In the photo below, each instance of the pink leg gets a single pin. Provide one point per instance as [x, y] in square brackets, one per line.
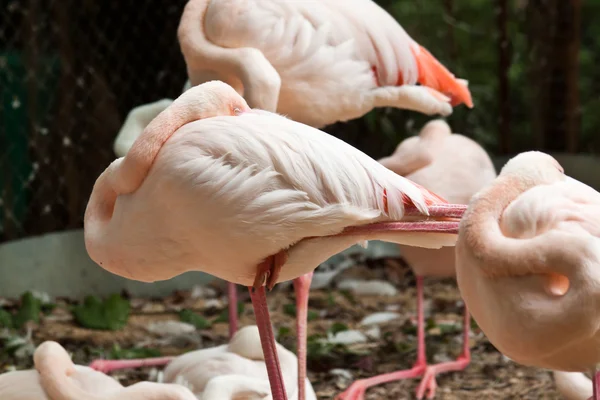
[596, 386]
[267, 340]
[428, 382]
[107, 366]
[302, 289]
[357, 390]
[233, 315]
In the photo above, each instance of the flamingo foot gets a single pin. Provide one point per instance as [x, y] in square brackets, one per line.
[357, 390]
[428, 383]
[106, 366]
[268, 270]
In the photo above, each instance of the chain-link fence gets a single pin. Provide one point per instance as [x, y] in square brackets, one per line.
[71, 70]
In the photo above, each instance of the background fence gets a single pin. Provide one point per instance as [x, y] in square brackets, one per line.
[71, 70]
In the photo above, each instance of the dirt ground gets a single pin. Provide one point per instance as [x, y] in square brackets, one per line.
[489, 376]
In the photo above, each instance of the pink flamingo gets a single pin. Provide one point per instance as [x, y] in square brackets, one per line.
[315, 61]
[57, 378]
[221, 371]
[528, 265]
[252, 198]
[430, 160]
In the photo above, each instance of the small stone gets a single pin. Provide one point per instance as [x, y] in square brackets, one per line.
[374, 333]
[213, 303]
[379, 318]
[170, 328]
[347, 337]
[153, 308]
[368, 288]
[202, 292]
[341, 373]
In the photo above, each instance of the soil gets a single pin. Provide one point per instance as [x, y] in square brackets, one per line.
[489, 375]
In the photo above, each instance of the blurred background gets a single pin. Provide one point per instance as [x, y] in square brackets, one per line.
[70, 71]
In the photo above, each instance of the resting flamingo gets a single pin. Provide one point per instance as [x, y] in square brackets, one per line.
[315, 61]
[215, 372]
[57, 378]
[136, 121]
[250, 197]
[528, 265]
[456, 168]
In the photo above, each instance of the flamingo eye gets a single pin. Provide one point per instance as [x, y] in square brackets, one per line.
[236, 111]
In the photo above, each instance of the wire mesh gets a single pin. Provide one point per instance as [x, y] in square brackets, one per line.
[70, 71]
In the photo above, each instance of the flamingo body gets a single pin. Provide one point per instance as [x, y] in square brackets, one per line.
[451, 165]
[213, 372]
[317, 62]
[246, 187]
[57, 378]
[528, 260]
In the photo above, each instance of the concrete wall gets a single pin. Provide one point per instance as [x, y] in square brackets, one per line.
[58, 263]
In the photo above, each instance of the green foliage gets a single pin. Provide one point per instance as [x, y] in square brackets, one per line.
[6, 319]
[110, 314]
[117, 353]
[192, 318]
[29, 311]
[224, 316]
[337, 327]
[290, 309]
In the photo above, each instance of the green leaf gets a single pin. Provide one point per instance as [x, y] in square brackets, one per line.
[192, 318]
[29, 310]
[290, 309]
[337, 327]
[117, 353]
[224, 316]
[6, 319]
[283, 332]
[348, 295]
[112, 314]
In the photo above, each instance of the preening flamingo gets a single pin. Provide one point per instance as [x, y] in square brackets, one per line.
[315, 61]
[250, 197]
[456, 168]
[136, 121]
[57, 378]
[222, 371]
[528, 265]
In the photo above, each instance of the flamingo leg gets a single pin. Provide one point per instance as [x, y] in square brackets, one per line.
[233, 314]
[302, 289]
[357, 390]
[107, 366]
[265, 273]
[428, 383]
[268, 270]
[596, 385]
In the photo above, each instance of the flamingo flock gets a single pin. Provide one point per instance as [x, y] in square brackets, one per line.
[234, 178]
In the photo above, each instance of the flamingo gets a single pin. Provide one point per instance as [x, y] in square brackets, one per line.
[315, 61]
[250, 197]
[211, 373]
[430, 159]
[137, 119]
[528, 265]
[57, 378]
[573, 385]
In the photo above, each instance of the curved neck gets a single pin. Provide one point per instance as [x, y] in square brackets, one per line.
[501, 256]
[55, 368]
[189, 107]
